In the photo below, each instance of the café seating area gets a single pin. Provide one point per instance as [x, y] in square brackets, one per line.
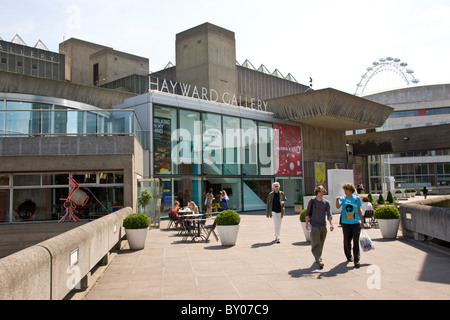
[192, 226]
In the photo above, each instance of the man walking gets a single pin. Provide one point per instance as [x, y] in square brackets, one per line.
[352, 222]
[317, 212]
[275, 208]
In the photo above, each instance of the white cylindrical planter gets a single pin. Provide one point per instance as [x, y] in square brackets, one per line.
[389, 227]
[306, 232]
[228, 234]
[136, 238]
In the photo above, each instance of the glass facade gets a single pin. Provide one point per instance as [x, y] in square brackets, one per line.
[196, 151]
[39, 197]
[19, 118]
[416, 175]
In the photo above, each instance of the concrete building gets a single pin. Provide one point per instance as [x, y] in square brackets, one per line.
[16, 56]
[416, 107]
[175, 139]
[93, 64]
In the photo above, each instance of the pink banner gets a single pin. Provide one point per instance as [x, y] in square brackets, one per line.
[288, 150]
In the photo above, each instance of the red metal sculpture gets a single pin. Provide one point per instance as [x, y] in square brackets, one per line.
[75, 197]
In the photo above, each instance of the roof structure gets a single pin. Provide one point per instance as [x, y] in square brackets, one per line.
[330, 108]
[18, 40]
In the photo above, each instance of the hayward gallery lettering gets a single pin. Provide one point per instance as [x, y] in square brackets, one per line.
[211, 95]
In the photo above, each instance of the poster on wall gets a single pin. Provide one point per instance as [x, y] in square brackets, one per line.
[320, 173]
[357, 174]
[162, 144]
[288, 150]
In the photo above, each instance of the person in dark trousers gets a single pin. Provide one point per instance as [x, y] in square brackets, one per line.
[352, 222]
[425, 192]
[275, 208]
[317, 212]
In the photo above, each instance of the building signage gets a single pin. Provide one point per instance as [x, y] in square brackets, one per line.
[21, 50]
[188, 90]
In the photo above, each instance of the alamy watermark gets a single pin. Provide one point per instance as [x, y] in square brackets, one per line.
[374, 281]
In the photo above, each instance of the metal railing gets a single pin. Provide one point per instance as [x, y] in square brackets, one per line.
[56, 122]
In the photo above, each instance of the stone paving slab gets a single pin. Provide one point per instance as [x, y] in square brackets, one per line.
[257, 268]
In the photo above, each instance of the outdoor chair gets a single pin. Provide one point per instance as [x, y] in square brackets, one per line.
[190, 230]
[210, 229]
[172, 219]
[369, 215]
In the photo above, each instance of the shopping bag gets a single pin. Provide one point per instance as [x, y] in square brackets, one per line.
[365, 241]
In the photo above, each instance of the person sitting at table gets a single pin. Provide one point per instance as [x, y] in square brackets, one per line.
[193, 207]
[174, 212]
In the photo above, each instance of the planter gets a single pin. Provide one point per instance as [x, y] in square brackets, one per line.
[298, 208]
[136, 238]
[306, 232]
[228, 234]
[389, 227]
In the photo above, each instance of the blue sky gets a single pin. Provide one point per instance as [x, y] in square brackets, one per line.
[331, 41]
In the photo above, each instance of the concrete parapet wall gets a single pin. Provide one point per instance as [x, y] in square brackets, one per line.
[429, 218]
[50, 269]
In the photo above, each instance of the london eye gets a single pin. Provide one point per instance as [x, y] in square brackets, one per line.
[386, 64]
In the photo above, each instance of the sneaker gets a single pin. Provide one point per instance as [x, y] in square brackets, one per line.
[320, 265]
[357, 265]
[350, 259]
[278, 240]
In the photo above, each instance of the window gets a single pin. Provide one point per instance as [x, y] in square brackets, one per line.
[164, 123]
[189, 142]
[212, 144]
[231, 146]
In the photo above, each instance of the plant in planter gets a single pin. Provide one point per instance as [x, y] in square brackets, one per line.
[136, 227]
[388, 218]
[380, 199]
[298, 205]
[227, 223]
[390, 197]
[370, 196]
[145, 198]
[303, 223]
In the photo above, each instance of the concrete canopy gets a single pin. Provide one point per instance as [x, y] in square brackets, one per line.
[330, 108]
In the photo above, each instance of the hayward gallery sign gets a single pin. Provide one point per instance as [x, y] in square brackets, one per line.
[191, 91]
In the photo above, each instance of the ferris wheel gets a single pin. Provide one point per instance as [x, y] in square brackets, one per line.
[386, 64]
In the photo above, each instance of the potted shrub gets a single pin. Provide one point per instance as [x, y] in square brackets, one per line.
[227, 223]
[136, 227]
[370, 198]
[145, 198]
[388, 218]
[390, 197]
[398, 193]
[380, 199]
[303, 223]
[298, 205]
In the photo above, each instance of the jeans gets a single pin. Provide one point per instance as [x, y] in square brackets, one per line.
[351, 232]
[277, 223]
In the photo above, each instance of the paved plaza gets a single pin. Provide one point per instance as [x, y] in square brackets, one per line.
[257, 268]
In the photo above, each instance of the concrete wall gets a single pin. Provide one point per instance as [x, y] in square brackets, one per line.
[100, 97]
[322, 145]
[206, 57]
[19, 236]
[52, 268]
[429, 218]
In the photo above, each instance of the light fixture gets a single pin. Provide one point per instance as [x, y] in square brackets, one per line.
[406, 138]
